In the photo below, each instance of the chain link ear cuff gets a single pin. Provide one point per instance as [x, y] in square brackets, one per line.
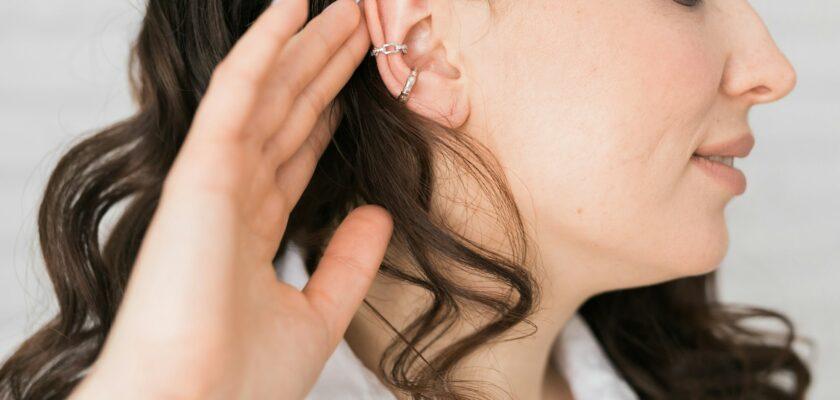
[390, 48]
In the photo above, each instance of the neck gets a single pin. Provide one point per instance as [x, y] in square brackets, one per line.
[522, 368]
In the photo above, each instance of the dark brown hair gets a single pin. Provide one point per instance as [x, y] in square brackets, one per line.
[670, 341]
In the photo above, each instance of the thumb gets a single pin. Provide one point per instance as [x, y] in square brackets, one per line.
[348, 267]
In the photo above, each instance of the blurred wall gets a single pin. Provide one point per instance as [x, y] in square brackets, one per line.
[62, 74]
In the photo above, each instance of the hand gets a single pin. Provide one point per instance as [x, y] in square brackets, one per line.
[203, 315]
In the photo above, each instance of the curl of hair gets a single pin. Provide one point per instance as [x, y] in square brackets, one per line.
[672, 340]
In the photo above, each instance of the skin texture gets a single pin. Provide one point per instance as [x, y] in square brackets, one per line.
[595, 134]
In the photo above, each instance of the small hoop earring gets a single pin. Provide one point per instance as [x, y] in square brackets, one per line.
[409, 83]
[385, 49]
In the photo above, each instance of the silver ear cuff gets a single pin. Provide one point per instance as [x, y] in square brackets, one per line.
[393, 48]
[409, 83]
[390, 48]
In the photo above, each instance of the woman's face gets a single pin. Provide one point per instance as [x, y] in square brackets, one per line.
[594, 109]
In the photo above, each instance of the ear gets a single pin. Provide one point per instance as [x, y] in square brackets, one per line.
[439, 92]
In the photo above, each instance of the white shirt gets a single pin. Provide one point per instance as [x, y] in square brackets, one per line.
[576, 353]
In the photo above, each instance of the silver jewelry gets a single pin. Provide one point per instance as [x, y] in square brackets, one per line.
[409, 83]
[384, 49]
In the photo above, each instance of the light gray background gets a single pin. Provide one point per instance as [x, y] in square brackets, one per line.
[62, 73]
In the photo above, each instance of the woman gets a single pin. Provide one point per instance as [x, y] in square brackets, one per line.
[514, 169]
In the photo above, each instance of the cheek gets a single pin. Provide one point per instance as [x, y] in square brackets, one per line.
[597, 136]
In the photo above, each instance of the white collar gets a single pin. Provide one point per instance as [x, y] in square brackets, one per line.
[576, 353]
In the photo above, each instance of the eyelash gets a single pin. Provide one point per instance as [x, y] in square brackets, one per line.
[689, 3]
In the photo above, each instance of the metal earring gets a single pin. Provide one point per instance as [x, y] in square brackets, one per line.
[390, 48]
[409, 83]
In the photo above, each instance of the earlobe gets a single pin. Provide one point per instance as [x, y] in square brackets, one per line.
[402, 32]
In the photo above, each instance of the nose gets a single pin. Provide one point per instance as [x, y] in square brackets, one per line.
[756, 69]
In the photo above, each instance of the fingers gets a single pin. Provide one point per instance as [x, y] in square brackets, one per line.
[314, 118]
[348, 266]
[294, 175]
[314, 99]
[282, 188]
[303, 59]
[232, 92]
[254, 87]
[252, 56]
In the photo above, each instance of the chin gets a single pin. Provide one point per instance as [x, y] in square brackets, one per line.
[702, 255]
[679, 260]
[697, 252]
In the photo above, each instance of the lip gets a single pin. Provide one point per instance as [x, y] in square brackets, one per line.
[740, 147]
[731, 178]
